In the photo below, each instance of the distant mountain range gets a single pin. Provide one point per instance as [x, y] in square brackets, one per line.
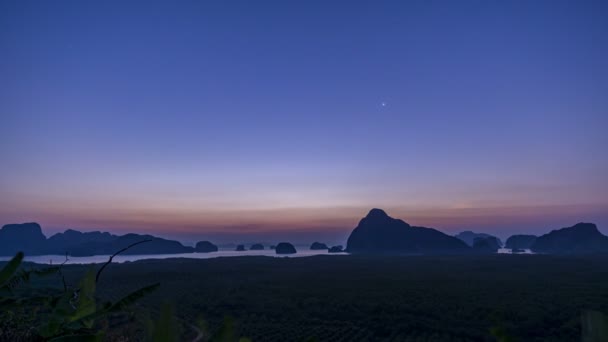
[376, 233]
[28, 238]
[578, 239]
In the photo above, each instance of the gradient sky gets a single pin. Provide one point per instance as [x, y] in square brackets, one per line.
[291, 119]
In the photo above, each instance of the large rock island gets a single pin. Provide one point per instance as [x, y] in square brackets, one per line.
[582, 238]
[154, 245]
[335, 249]
[71, 240]
[28, 238]
[318, 246]
[285, 248]
[378, 233]
[25, 237]
[205, 247]
[256, 247]
[489, 244]
[469, 237]
[520, 241]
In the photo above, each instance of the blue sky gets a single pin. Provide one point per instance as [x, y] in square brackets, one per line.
[267, 118]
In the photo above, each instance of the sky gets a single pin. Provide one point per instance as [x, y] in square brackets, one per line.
[292, 119]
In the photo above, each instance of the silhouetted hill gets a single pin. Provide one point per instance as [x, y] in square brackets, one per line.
[257, 247]
[155, 246]
[240, 248]
[205, 247]
[69, 240]
[579, 239]
[318, 246]
[469, 237]
[489, 244]
[336, 249]
[28, 237]
[285, 248]
[379, 233]
[25, 237]
[520, 241]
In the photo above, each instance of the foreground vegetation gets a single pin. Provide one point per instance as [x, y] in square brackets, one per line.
[351, 298]
[76, 313]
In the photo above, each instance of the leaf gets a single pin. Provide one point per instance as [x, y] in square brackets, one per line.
[594, 326]
[131, 298]
[77, 309]
[165, 329]
[226, 332]
[19, 277]
[62, 310]
[11, 267]
[86, 304]
[52, 327]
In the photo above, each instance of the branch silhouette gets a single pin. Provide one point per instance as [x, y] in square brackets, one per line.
[115, 254]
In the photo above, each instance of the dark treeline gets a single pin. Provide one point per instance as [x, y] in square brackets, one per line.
[374, 298]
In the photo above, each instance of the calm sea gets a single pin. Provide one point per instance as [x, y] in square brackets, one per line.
[58, 259]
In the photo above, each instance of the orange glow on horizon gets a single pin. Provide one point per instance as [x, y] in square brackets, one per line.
[294, 219]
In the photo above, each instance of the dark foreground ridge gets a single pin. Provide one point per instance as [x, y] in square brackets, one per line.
[372, 298]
